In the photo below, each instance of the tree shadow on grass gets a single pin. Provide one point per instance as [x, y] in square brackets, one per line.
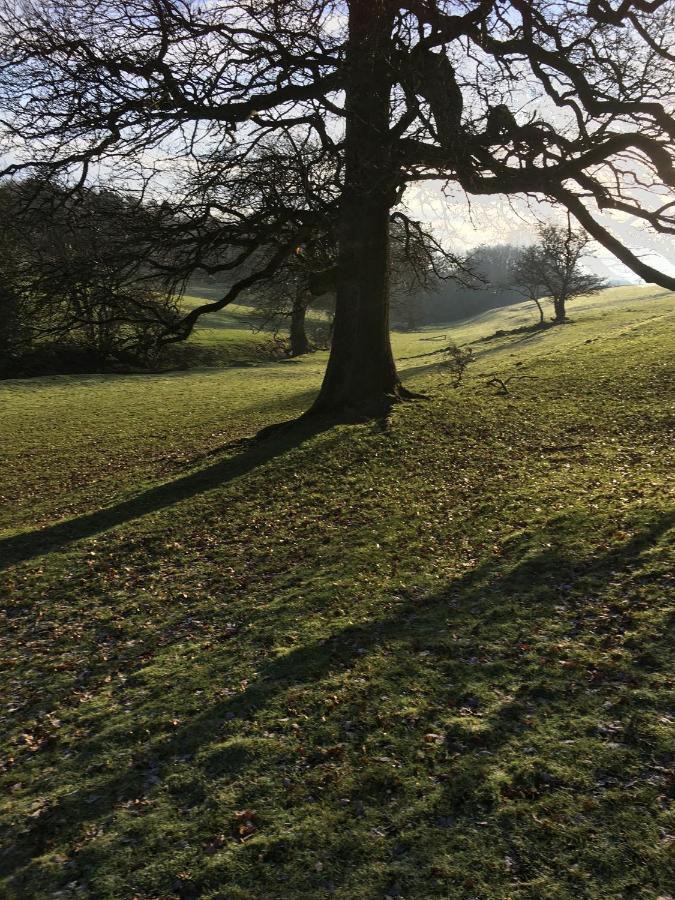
[499, 591]
[270, 443]
[527, 330]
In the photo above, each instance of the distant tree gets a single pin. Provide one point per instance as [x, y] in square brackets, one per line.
[307, 278]
[303, 279]
[526, 277]
[492, 265]
[553, 268]
[268, 233]
[419, 264]
[485, 284]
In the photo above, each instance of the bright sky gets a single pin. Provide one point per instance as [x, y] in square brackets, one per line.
[466, 222]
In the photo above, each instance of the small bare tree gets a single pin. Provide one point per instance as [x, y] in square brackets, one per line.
[456, 360]
[552, 268]
[526, 278]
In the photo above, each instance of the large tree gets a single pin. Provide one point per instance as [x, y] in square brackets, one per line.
[569, 101]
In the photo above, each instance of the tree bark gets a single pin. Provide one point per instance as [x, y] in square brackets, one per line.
[559, 308]
[541, 310]
[298, 334]
[361, 375]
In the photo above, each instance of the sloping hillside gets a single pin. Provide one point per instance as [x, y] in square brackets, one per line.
[427, 658]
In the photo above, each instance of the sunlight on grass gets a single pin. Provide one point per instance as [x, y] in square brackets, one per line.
[430, 660]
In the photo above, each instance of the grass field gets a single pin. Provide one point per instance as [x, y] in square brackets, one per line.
[222, 339]
[428, 658]
[237, 335]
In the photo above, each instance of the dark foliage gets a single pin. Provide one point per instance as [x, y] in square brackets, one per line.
[74, 287]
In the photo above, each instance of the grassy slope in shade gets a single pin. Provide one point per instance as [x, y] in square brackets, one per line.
[227, 337]
[429, 661]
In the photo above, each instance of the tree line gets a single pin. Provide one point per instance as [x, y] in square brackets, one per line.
[82, 287]
[88, 278]
[76, 291]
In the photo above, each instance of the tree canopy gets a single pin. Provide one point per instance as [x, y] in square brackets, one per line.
[568, 101]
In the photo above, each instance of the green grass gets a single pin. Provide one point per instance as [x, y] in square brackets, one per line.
[235, 335]
[428, 660]
[224, 338]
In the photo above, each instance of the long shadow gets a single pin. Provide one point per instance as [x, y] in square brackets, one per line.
[425, 368]
[324, 657]
[270, 443]
[528, 330]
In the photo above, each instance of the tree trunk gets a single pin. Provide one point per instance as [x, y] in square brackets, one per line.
[361, 376]
[541, 310]
[412, 312]
[559, 308]
[298, 335]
